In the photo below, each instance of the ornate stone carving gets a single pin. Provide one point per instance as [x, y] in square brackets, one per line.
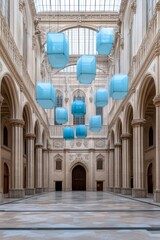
[134, 6]
[36, 25]
[78, 144]
[100, 143]
[58, 144]
[21, 5]
[58, 156]
[78, 157]
[85, 143]
[33, 42]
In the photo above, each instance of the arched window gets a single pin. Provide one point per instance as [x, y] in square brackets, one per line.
[79, 95]
[5, 136]
[99, 111]
[99, 164]
[58, 164]
[150, 136]
[59, 103]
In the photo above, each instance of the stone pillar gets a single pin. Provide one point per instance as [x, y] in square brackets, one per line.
[126, 164]
[17, 190]
[118, 168]
[1, 187]
[111, 170]
[107, 170]
[138, 159]
[30, 190]
[39, 187]
[157, 132]
[51, 169]
[45, 170]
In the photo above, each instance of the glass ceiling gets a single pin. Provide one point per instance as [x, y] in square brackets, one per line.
[77, 5]
[82, 41]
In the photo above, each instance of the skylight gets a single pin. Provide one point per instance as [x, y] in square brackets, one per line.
[77, 5]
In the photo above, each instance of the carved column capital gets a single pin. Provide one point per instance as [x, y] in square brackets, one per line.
[39, 145]
[17, 122]
[156, 101]
[138, 122]
[118, 144]
[30, 136]
[21, 5]
[125, 136]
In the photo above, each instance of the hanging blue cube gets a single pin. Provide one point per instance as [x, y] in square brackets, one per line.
[101, 97]
[45, 95]
[61, 115]
[86, 69]
[81, 131]
[95, 123]
[118, 88]
[78, 108]
[68, 133]
[57, 49]
[104, 41]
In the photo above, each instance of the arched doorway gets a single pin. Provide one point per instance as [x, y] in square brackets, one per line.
[150, 179]
[79, 179]
[6, 179]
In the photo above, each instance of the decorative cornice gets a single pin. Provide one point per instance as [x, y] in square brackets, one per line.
[156, 101]
[138, 122]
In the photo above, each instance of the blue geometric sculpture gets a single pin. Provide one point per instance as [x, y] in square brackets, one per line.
[57, 49]
[95, 123]
[81, 131]
[45, 95]
[118, 86]
[78, 108]
[68, 133]
[104, 41]
[86, 69]
[101, 97]
[61, 115]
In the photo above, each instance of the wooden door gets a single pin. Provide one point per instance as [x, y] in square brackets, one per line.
[150, 179]
[79, 179]
[6, 179]
[99, 186]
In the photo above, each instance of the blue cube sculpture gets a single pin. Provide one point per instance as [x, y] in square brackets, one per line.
[118, 88]
[68, 133]
[86, 69]
[104, 41]
[81, 131]
[45, 95]
[57, 49]
[95, 123]
[101, 97]
[61, 115]
[78, 108]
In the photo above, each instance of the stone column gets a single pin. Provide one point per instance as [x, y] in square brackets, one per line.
[138, 159]
[17, 190]
[1, 187]
[51, 169]
[39, 187]
[126, 164]
[157, 190]
[118, 168]
[111, 169]
[107, 170]
[45, 170]
[30, 190]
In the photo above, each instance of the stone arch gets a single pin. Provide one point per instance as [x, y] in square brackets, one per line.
[76, 163]
[79, 26]
[147, 87]
[37, 130]
[9, 93]
[79, 92]
[127, 116]
[27, 115]
[118, 131]
[112, 139]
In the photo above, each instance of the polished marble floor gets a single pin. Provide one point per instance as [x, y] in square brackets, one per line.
[80, 216]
